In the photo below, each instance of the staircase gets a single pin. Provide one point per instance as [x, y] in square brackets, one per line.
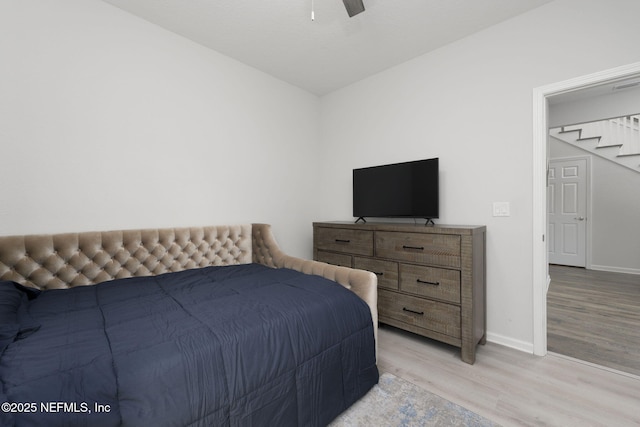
[617, 140]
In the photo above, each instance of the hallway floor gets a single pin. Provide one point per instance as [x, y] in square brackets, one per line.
[595, 316]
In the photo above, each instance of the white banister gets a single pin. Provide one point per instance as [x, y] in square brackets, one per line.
[616, 139]
[624, 131]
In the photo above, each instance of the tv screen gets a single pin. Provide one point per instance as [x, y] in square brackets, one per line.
[408, 189]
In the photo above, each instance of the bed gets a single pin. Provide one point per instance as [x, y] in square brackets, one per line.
[198, 326]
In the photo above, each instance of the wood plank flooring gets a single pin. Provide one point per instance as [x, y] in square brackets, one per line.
[595, 316]
[513, 388]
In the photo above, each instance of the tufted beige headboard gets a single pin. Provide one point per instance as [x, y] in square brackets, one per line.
[58, 261]
[74, 259]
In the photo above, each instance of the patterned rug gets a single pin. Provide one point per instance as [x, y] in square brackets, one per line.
[396, 402]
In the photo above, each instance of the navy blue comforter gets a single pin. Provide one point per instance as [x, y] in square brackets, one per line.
[233, 345]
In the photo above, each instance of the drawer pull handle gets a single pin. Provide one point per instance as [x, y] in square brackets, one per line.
[426, 282]
[417, 248]
[420, 313]
[378, 273]
[343, 241]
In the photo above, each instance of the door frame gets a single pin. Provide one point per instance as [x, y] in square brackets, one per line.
[540, 268]
[587, 202]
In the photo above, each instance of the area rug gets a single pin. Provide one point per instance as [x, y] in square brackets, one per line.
[397, 402]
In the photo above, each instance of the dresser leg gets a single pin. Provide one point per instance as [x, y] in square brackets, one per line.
[468, 355]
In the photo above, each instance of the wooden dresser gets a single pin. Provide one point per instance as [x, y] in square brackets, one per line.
[431, 279]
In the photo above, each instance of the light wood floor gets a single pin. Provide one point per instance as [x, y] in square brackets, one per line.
[513, 388]
[595, 316]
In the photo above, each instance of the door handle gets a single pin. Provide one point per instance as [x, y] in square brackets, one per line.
[580, 218]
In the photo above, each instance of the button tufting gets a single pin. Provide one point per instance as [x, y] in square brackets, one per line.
[177, 249]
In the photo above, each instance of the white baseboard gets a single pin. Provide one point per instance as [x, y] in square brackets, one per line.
[527, 347]
[615, 269]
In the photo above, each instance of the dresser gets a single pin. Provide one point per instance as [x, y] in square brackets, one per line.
[431, 279]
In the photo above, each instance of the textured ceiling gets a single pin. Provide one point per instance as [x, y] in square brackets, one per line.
[333, 51]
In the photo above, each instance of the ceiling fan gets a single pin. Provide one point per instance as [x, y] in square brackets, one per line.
[353, 7]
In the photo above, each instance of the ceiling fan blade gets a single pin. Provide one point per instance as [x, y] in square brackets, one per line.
[354, 7]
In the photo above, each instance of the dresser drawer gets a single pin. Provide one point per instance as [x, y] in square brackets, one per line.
[334, 258]
[430, 282]
[359, 242]
[387, 271]
[434, 249]
[434, 316]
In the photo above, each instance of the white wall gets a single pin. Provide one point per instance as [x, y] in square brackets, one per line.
[615, 207]
[108, 122]
[470, 104]
[607, 106]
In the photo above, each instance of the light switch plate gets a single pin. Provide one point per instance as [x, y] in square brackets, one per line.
[501, 209]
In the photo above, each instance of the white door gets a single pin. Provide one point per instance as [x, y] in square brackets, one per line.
[567, 210]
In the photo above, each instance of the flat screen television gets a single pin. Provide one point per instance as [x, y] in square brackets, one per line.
[399, 190]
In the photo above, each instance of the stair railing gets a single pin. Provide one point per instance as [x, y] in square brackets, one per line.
[623, 131]
[627, 130]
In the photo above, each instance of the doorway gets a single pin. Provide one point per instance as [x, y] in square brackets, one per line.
[592, 312]
[540, 167]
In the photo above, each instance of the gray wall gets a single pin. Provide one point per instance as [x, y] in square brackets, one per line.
[109, 122]
[606, 106]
